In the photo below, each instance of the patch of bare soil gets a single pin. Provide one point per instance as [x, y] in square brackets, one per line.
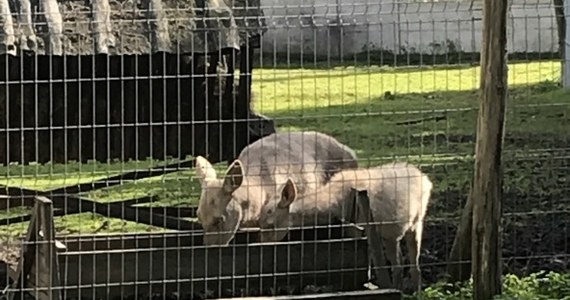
[535, 237]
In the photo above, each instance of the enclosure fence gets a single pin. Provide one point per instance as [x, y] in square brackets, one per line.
[118, 118]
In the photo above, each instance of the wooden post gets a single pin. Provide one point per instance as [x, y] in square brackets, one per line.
[28, 38]
[102, 34]
[7, 39]
[38, 266]
[158, 26]
[487, 184]
[375, 245]
[52, 17]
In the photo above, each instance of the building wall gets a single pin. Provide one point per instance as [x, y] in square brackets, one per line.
[311, 26]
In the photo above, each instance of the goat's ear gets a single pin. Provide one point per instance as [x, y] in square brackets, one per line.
[234, 177]
[204, 169]
[288, 194]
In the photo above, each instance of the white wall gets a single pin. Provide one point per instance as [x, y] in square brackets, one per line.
[422, 27]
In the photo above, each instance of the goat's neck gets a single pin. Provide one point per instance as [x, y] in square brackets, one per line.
[328, 200]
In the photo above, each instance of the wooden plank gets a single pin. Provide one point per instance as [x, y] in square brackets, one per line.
[177, 212]
[191, 238]
[109, 274]
[54, 24]
[383, 294]
[102, 34]
[7, 202]
[28, 39]
[26, 218]
[7, 39]
[102, 183]
[158, 26]
[375, 246]
[140, 200]
[134, 214]
[74, 204]
[119, 179]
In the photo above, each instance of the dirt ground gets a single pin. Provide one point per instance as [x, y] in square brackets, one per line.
[533, 239]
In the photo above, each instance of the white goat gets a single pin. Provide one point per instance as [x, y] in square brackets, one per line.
[399, 194]
[309, 158]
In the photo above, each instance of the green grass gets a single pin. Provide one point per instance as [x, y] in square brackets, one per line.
[359, 106]
[536, 286]
[305, 91]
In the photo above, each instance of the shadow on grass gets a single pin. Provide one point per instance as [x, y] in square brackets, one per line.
[387, 58]
[441, 123]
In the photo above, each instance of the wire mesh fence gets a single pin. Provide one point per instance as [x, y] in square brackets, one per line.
[145, 128]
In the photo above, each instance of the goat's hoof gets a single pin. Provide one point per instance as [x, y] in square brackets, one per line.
[410, 287]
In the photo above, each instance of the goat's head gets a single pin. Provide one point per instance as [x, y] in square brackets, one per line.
[274, 219]
[214, 210]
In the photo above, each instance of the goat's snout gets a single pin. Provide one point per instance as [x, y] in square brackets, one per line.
[220, 219]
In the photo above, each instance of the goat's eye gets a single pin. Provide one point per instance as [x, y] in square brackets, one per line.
[269, 211]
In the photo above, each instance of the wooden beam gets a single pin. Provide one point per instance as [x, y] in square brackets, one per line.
[102, 33]
[7, 39]
[487, 188]
[54, 24]
[37, 254]
[44, 274]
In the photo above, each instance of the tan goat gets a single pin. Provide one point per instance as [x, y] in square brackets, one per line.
[399, 194]
[235, 199]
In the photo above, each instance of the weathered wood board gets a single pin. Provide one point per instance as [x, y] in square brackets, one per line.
[179, 269]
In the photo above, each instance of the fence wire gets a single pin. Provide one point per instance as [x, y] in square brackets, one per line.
[159, 136]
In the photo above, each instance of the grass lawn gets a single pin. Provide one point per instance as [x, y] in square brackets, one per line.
[362, 107]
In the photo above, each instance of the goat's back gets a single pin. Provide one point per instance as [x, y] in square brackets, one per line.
[310, 158]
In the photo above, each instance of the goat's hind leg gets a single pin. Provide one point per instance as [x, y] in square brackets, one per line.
[414, 242]
[394, 255]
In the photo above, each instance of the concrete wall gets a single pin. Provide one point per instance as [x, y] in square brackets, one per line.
[311, 26]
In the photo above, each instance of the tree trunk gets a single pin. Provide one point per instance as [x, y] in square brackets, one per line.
[486, 192]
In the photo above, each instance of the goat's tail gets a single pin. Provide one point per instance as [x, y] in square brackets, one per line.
[427, 187]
